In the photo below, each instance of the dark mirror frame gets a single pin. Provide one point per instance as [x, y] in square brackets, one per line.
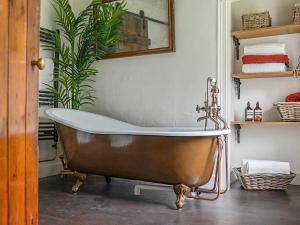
[171, 46]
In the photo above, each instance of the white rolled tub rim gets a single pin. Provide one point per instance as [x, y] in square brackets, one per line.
[98, 124]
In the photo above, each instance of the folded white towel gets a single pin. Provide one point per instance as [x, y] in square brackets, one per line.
[265, 49]
[264, 68]
[265, 166]
[297, 4]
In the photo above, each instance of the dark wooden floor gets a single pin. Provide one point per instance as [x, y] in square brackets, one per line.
[114, 204]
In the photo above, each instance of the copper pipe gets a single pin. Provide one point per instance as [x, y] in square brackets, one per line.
[226, 164]
[214, 190]
[217, 179]
[217, 183]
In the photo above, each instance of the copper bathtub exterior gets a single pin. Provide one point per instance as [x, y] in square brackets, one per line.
[160, 159]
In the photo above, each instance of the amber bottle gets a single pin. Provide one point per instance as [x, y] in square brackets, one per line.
[249, 113]
[257, 113]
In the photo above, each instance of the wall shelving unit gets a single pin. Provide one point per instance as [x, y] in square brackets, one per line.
[237, 77]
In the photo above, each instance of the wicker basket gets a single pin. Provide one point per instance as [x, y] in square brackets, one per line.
[289, 111]
[296, 15]
[263, 182]
[256, 20]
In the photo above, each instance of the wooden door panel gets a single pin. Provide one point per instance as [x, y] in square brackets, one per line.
[19, 41]
[3, 112]
[32, 113]
[16, 110]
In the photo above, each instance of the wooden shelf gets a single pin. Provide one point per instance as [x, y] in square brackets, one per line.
[239, 76]
[239, 123]
[242, 122]
[266, 32]
[262, 75]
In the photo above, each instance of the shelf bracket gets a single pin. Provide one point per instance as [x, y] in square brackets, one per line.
[238, 84]
[238, 128]
[237, 47]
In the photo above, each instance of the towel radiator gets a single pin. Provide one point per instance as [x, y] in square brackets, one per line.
[47, 131]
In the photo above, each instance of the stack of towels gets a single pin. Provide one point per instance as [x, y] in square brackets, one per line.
[265, 166]
[265, 58]
[293, 97]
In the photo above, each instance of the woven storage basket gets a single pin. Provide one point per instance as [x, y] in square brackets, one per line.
[263, 182]
[256, 20]
[296, 15]
[289, 111]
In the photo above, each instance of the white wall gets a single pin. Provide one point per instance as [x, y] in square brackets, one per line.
[47, 18]
[267, 142]
[162, 90]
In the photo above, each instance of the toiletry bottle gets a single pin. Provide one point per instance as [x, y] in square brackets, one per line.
[248, 113]
[257, 113]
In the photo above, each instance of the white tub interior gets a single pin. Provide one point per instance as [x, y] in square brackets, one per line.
[98, 124]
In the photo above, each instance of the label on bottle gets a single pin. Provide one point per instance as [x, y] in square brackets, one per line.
[249, 115]
[258, 115]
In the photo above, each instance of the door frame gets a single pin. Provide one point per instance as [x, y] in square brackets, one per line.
[224, 64]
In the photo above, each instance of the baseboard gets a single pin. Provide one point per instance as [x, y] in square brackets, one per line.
[48, 169]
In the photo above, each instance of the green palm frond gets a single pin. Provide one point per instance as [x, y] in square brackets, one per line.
[81, 41]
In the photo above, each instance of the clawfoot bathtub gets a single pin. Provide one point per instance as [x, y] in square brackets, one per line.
[95, 144]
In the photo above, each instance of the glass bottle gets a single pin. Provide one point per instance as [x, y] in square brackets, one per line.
[248, 113]
[257, 113]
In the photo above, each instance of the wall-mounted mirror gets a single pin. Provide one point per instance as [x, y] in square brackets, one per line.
[148, 28]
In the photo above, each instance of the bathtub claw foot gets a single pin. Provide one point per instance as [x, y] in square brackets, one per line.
[108, 180]
[181, 191]
[80, 179]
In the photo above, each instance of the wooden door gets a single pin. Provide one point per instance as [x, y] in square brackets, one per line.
[19, 41]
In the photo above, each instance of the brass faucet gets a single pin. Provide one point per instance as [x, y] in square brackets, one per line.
[212, 109]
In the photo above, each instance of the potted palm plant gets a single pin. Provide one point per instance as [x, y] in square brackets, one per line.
[81, 41]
